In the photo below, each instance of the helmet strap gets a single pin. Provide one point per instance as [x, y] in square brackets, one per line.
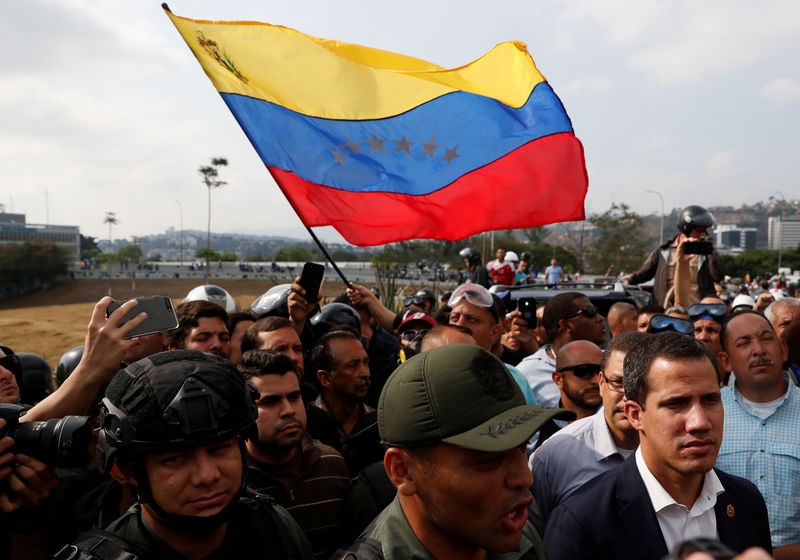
[192, 524]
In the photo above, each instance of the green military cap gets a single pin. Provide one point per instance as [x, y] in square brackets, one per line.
[462, 395]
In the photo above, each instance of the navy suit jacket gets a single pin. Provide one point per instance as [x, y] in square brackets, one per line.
[612, 517]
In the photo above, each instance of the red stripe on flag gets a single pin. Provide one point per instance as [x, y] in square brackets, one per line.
[540, 183]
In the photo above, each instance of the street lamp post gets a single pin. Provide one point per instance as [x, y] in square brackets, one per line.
[661, 231]
[780, 239]
[180, 206]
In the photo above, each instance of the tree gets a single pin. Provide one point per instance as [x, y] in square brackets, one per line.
[293, 254]
[131, 252]
[208, 255]
[620, 244]
[37, 259]
[210, 175]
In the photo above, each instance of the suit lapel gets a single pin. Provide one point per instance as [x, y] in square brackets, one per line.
[636, 513]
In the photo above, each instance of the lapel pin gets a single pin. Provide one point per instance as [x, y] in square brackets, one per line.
[730, 511]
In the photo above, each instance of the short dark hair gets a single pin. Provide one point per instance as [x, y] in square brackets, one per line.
[189, 314]
[238, 316]
[651, 308]
[723, 331]
[623, 342]
[267, 324]
[321, 355]
[264, 362]
[667, 345]
[558, 307]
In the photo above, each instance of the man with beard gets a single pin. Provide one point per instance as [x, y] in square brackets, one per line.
[350, 426]
[589, 446]
[762, 414]
[308, 478]
[667, 491]
[577, 366]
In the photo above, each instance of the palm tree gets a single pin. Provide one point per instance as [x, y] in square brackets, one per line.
[111, 220]
[210, 174]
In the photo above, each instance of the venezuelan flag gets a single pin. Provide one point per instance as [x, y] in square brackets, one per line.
[386, 147]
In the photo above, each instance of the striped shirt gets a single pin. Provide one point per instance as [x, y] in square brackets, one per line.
[767, 453]
[312, 489]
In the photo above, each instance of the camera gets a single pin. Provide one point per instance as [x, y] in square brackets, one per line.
[62, 442]
[703, 247]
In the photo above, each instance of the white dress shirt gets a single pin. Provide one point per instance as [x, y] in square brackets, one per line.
[679, 523]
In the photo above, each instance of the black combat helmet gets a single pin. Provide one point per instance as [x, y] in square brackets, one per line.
[173, 400]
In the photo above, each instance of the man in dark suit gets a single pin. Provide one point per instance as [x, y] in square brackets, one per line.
[668, 491]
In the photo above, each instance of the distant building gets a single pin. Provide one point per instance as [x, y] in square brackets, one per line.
[13, 229]
[783, 232]
[734, 239]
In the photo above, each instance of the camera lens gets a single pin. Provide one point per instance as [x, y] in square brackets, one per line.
[62, 442]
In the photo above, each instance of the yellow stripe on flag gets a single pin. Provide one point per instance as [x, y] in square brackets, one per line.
[331, 79]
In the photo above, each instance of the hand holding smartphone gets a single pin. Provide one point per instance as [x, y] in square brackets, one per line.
[311, 280]
[160, 315]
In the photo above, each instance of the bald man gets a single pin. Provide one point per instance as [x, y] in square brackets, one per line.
[622, 317]
[577, 366]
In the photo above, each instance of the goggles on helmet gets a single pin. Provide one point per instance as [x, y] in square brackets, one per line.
[711, 311]
[476, 295]
[665, 323]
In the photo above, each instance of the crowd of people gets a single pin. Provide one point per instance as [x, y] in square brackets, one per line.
[349, 430]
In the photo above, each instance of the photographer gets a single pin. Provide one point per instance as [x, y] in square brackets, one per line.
[686, 268]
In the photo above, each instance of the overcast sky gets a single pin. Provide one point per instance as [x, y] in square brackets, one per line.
[104, 108]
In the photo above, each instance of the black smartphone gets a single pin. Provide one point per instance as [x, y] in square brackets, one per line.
[527, 306]
[698, 248]
[160, 315]
[311, 280]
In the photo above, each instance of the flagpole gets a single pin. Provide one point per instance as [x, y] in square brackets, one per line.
[327, 256]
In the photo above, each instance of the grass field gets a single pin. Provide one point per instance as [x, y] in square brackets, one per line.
[51, 322]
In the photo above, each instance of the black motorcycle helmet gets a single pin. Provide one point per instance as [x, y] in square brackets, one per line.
[334, 317]
[273, 302]
[473, 255]
[695, 216]
[36, 379]
[68, 362]
[526, 256]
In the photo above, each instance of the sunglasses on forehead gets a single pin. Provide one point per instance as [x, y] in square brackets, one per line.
[584, 371]
[11, 363]
[590, 311]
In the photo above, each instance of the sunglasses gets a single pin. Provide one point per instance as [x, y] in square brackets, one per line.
[590, 311]
[411, 335]
[11, 363]
[584, 371]
[665, 323]
[712, 311]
